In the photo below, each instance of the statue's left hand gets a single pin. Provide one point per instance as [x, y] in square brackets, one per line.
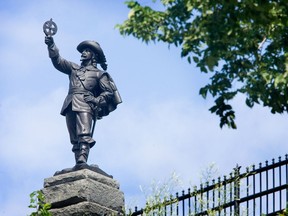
[91, 99]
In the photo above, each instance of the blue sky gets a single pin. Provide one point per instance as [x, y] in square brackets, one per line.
[162, 126]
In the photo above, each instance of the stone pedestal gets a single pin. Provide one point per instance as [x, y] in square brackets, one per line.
[83, 192]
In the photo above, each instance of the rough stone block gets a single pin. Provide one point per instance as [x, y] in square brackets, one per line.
[84, 209]
[83, 192]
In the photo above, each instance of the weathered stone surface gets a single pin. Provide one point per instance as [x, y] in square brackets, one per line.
[78, 175]
[83, 188]
[85, 209]
[92, 167]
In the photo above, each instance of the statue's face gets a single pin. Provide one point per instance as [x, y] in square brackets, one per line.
[86, 55]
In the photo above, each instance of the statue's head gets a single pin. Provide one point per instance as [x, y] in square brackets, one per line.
[96, 55]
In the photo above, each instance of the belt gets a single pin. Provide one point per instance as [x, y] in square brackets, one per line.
[79, 91]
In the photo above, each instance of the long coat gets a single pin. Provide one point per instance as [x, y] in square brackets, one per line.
[85, 80]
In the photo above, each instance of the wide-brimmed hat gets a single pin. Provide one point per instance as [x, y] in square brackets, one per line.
[95, 47]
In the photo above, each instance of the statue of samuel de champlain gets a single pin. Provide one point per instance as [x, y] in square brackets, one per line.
[92, 92]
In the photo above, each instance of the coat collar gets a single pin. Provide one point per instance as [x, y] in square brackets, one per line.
[89, 67]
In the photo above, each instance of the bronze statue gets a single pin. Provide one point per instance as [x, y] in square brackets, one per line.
[92, 92]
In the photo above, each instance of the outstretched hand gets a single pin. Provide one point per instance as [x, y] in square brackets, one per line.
[49, 40]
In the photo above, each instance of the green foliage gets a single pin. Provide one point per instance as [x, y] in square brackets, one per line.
[242, 44]
[37, 202]
[285, 211]
[159, 194]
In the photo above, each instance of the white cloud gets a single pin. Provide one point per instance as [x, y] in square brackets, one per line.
[32, 131]
[185, 136]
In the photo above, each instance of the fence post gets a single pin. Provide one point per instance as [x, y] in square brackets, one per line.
[237, 190]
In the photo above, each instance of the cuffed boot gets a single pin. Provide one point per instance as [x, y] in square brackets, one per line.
[76, 151]
[82, 157]
[76, 154]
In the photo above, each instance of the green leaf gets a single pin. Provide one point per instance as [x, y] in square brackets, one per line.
[195, 59]
[203, 91]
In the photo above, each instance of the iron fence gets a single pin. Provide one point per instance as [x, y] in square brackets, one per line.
[256, 191]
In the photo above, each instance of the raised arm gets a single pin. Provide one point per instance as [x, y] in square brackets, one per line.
[59, 63]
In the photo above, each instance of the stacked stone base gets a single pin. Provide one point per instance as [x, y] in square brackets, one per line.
[83, 192]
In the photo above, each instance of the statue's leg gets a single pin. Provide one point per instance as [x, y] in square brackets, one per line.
[71, 118]
[84, 124]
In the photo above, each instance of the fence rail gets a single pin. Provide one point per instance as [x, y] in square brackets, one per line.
[256, 191]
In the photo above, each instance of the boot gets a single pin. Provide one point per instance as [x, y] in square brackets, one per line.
[76, 151]
[82, 157]
[76, 154]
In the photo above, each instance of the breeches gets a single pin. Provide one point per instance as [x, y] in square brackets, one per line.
[79, 125]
